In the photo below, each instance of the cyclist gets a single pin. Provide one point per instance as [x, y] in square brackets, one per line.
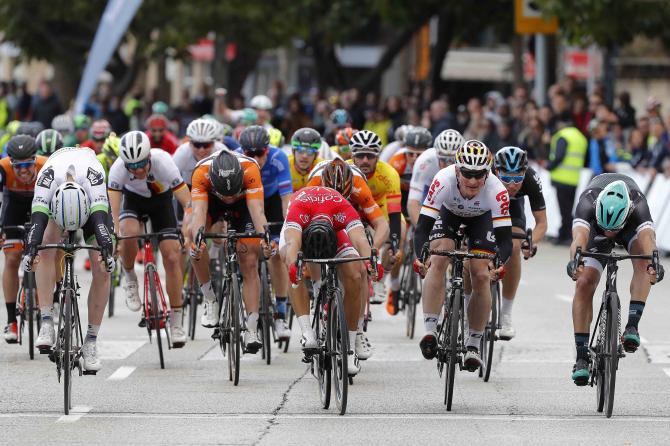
[417, 140]
[339, 120]
[397, 144]
[82, 124]
[342, 143]
[612, 206]
[100, 130]
[64, 125]
[48, 141]
[350, 182]
[159, 134]
[305, 144]
[262, 105]
[109, 152]
[323, 221]
[71, 190]
[463, 193]
[202, 134]
[520, 180]
[277, 190]
[229, 183]
[18, 173]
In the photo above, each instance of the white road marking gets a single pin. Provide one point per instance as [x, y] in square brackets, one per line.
[666, 371]
[563, 297]
[75, 414]
[115, 350]
[121, 373]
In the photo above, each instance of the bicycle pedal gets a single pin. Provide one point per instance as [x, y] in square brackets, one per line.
[45, 350]
[143, 323]
[216, 334]
[178, 344]
[89, 372]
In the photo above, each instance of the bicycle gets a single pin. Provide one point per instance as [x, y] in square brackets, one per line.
[156, 314]
[410, 288]
[332, 334]
[66, 352]
[27, 305]
[192, 298]
[232, 324]
[490, 335]
[605, 349]
[267, 310]
[115, 281]
[451, 334]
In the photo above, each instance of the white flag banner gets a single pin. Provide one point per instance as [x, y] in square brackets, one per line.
[113, 26]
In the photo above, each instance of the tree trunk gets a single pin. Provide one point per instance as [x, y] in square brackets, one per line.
[609, 73]
[240, 67]
[328, 69]
[445, 34]
[65, 82]
[517, 61]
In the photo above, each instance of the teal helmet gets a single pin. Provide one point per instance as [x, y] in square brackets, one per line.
[612, 206]
[159, 108]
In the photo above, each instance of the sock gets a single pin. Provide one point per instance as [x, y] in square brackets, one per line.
[474, 339]
[207, 291]
[634, 313]
[360, 324]
[352, 340]
[130, 274]
[306, 326]
[92, 333]
[395, 283]
[252, 321]
[582, 345]
[47, 314]
[506, 308]
[11, 312]
[466, 302]
[280, 305]
[430, 322]
[177, 316]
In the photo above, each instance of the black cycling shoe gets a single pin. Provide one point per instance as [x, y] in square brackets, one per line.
[630, 339]
[428, 345]
[580, 372]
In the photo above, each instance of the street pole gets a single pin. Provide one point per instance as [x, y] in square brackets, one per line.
[540, 68]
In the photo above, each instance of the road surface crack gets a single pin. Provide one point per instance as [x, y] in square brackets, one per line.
[275, 412]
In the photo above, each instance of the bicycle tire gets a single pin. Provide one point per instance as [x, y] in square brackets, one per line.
[289, 318]
[339, 350]
[113, 283]
[265, 316]
[322, 361]
[155, 318]
[411, 303]
[29, 310]
[612, 360]
[489, 338]
[67, 352]
[235, 341]
[452, 354]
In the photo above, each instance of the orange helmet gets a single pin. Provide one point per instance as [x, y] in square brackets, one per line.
[338, 175]
[343, 136]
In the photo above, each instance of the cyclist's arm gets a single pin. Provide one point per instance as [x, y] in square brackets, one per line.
[382, 231]
[292, 245]
[580, 238]
[100, 217]
[395, 224]
[414, 209]
[285, 199]
[257, 211]
[359, 240]
[504, 242]
[198, 217]
[540, 225]
[115, 197]
[423, 227]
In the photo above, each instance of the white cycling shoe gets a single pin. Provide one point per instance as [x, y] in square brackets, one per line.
[251, 342]
[47, 336]
[177, 336]
[282, 330]
[353, 366]
[380, 294]
[132, 291]
[210, 317]
[363, 347]
[507, 330]
[89, 353]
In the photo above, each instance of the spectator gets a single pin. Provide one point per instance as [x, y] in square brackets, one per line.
[580, 114]
[602, 153]
[489, 134]
[653, 107]
[440, 118]
[393, 109]
[111, 111]
[505, 135]
[531, 141]
[380, 124]
[659, 149]
[625, 111]
[23, 111]
[46, 105]
[638, 148]
[296, 118]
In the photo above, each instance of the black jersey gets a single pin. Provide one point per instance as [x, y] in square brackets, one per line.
[531, 188]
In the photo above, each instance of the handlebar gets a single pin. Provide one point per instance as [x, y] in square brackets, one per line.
[461, 254]
[300, 261]
[231, 234]
[70, 247]
[528, 239]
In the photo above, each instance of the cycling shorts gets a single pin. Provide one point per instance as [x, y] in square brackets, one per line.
[517, 211]
[158, 209]
[274, 213]
[479, 230]
[15, 212]
[624, 238]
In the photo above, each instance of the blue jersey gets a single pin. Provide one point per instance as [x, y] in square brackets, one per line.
[231, 143]
[275, 174]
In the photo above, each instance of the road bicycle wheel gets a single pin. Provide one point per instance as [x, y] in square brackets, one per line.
[453, 322]
[338, 350]
[321, 362]
[235, 338]
[488, 340]
[29, 313]
[114, 282]
[411, 299]
[192, 302]
[266, 316]
[598, 359]
[289, 319]
[612, 351]
[155, 315]
[67, 351]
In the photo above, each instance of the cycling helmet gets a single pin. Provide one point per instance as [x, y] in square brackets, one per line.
[418, 138]
[365, 141]
[447, 143]
[343, 136]
[21, 147]
[203, 130]
[276, 137]
[100, 130]
[226, 129]
[81, 122]
[225, 174]
[48, 141]
[156, 121]
[511, 159]
[613, 206]
[306, 138]
[111, 147]
[261, 102]
[32, 128]
[248, 117]
[319, 240]
[400, 133]
[70, 206]
[474, 155]
[254, 137]
[134, 147]
[159, 108]
[63, 124]
[340, 118]
[337, 175]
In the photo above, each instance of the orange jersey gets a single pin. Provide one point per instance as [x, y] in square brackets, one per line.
[9, 182]
[361, 195]
[252, 187]
[399, 162]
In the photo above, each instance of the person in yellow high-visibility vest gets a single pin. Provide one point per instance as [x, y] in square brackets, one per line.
[567, 155]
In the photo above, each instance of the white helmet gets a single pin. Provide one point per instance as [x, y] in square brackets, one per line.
[261, 102]
[134, 147]
[474, 155]
[63, 123]
[70, 206]
[365, 141]
[203, 130]
[447, 143]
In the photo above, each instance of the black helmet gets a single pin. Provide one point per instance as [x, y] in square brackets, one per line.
[21, 147]
[254, 137]
[511, 159]
[306, 138]
[225, 174]
[418, 138]
[319, 240]
[48, 141]
[31, 128]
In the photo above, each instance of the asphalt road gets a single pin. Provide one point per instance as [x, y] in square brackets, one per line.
[396, 399]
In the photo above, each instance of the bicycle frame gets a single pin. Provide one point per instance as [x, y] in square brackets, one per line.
[150, 269]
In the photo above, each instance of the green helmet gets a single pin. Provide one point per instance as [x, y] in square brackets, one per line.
[612, 206]
[159, 108]
[82, 122]
[249, 116]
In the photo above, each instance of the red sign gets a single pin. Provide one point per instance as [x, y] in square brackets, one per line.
[203, 51]
[578, 63]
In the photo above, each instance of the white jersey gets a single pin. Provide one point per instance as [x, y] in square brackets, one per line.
[326, 153]
[425, 168]
[390, 150]
[83, 165]
[185, 161]
[444, 192]
[163, 176]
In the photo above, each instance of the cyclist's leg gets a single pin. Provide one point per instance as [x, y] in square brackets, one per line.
[129, 226]
[171, 254]
[45, 273]
[10, 278]
[639, 243]
[277, 269]
[510, 284]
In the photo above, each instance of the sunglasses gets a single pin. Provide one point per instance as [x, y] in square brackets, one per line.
[365, 155]
[473, 174]
[23, 164]
[447, 160]
[201, 145]
[307, 150]
[254, 152]
[137, 165]
[516, 179]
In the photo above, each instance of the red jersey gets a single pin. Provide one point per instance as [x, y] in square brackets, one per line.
[169, 143]
[321, 202]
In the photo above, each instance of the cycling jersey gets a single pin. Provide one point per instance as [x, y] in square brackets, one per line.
[390, 150]
[425, 168]
[361, 196]
[105, 162]
[163, 176]
[252, 187]
[10, 184]
[384, 184]
[186, 162]
[169, 143]
[531, 188]
[400, 164]
[275, 173]
[298, 179]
